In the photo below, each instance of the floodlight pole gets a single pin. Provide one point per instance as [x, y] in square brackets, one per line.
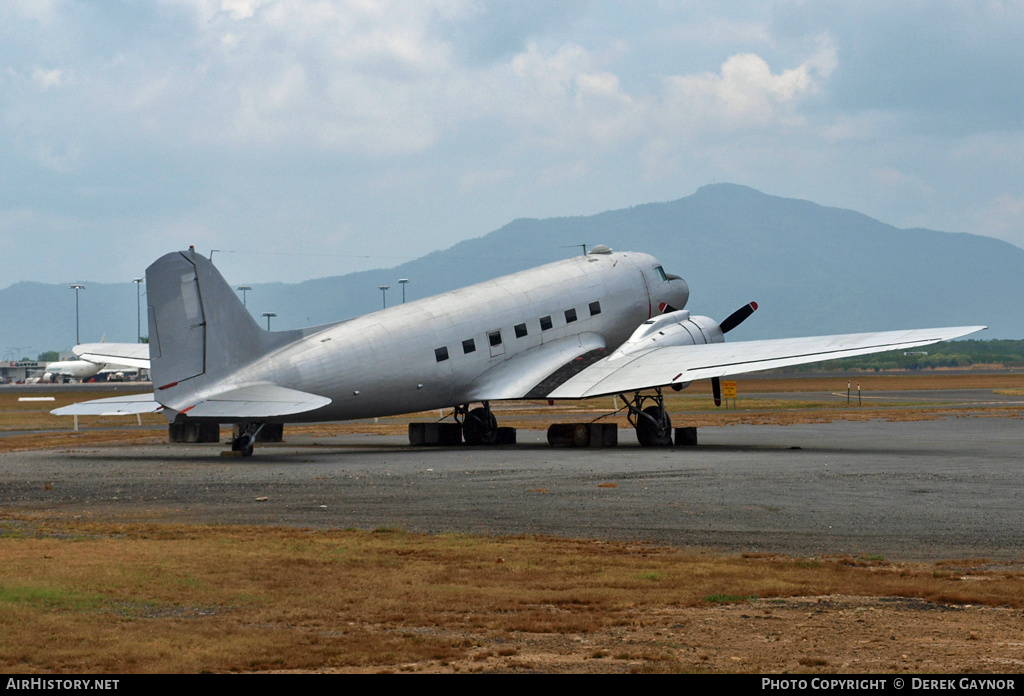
[76, 287]
[384, 293]
[403, 282]
[268, 315]
[138, 304]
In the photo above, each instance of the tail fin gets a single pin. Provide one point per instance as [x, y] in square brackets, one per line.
[199, 331]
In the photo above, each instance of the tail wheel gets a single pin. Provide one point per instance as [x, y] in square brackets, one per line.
[654, 427]
[244, 444]
[480, 427]
[246, 438]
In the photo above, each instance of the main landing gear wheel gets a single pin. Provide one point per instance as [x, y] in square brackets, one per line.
[479, 426]
[654, 428]
[653, 425]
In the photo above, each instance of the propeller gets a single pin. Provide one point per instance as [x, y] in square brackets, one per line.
[730, 323]
[737, 317]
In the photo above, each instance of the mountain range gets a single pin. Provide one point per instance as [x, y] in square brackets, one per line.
[811, 269]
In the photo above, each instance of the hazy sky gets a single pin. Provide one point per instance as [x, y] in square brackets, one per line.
[306, 138]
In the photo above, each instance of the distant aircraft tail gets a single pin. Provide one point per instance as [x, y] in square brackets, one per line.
[199, 331]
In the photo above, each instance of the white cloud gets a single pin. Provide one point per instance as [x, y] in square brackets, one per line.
[463, 114]
[47, 79]
[475, 179]
[743, 94]
[42, 11]
[562, 173]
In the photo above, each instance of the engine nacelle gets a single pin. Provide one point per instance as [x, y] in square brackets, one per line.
[672, 329]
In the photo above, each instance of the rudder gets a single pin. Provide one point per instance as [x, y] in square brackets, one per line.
[199, 330]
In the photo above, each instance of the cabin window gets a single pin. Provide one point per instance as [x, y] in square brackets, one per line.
[545, 323]
[468, 346]
[595, 308]
[661, 273]
[441, 353]
[495, 338]
[520, 330]
[570, 316]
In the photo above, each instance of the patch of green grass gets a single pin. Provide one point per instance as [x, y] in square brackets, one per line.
[729, 598]
[807, 563]
[45, 598]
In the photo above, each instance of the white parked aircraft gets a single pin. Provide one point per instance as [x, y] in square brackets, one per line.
[99, 357]
[599, 324]
[71, 369]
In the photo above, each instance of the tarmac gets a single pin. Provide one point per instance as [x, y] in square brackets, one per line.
[949, 488]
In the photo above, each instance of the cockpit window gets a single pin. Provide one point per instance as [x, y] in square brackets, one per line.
[661, 273]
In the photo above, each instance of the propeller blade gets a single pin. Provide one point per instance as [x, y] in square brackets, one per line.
[716, 389]
[737, 317]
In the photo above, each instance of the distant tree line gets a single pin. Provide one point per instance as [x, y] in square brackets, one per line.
[1007, 353]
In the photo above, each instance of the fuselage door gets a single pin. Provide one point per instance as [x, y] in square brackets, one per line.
[496, 344]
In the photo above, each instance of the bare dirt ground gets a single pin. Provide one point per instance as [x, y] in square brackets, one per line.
[811, 635]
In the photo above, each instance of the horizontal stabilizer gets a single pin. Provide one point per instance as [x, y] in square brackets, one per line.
[115, 406]
[660, 367]
[126, 354]
[256, 402]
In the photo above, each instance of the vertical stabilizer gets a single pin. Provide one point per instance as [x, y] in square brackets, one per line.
[199, 330]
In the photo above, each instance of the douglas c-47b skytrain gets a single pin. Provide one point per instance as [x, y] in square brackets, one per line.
[599, 324]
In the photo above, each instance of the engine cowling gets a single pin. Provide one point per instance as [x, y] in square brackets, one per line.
[671, 329]
[678, 328]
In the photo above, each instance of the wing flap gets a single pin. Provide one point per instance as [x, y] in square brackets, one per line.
[114, 406]
[256, 401]
[671, 364]
[531, 374]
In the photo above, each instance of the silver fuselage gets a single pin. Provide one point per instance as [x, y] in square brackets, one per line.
[439, 351]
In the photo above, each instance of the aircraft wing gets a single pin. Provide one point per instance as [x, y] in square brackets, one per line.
[115, 406]
[127, 354]
[659, 367]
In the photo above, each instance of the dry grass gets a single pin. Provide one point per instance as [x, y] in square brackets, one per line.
[35, 415]
[869, 381]
[169, 598]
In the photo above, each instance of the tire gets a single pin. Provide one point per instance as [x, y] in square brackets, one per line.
[648, 433]
[480, 427]
[243, 444]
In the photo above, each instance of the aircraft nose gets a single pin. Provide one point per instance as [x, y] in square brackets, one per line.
[679, 291]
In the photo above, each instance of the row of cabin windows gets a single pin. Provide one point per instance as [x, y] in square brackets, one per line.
[494, 337]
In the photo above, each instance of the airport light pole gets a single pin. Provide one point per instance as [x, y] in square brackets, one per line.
[268, 315]
[403, 282]
[384, 293]
[244, 289]
[76, 287]
[138, 304]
